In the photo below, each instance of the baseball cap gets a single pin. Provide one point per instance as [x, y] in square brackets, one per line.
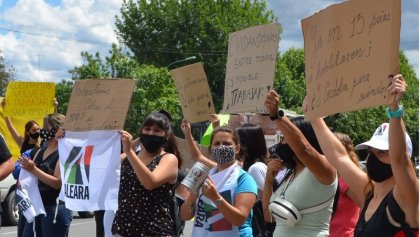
[379, 140]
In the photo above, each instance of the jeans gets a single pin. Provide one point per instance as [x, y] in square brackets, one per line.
[48, 228]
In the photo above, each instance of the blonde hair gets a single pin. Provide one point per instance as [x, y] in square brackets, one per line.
[55, 120]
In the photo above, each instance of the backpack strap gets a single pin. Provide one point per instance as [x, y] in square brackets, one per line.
[318, 207]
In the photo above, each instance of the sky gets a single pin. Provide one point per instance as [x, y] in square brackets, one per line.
[43, 39]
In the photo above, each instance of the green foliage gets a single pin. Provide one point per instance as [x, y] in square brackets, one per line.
[359, 125]
[155, 90]
[290, 78]
[6, 75]
[63, 93]
[160, 32]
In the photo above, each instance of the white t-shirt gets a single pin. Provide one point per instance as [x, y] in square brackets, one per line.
[258, 171]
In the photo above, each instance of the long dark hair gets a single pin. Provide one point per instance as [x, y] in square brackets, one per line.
[162, 121]
[253, 145]
[28, 127]
[307, 131]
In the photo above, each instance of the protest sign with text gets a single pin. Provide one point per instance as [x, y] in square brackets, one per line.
[350, 50]
[29, 99]
[100, 104]
[194, 92]
[252, 55]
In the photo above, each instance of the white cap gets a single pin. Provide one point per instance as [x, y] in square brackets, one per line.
[379, 140]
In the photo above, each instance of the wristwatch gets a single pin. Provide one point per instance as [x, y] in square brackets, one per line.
[395, 114]
[218, 201]
[278, 115]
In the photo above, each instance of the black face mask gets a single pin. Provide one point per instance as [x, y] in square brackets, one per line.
[34, 135]
[376, 169]
[152, 143]
[286, 154]
[47, 135]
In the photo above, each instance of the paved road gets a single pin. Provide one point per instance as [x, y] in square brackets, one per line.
[79, 227]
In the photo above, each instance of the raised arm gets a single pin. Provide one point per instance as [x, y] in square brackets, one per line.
[165, 172]
[273, 168]
[15, 134]
[193, 148]
[406, 190]
[337, 155]
[315, 162]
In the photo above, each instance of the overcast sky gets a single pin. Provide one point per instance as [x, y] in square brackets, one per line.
[43, 39]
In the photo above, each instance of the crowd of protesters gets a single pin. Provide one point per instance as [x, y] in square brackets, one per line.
[308, 184]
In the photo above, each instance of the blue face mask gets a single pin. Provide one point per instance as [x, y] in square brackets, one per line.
[223, 154]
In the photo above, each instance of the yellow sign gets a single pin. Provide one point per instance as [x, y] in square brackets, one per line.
[29, 99]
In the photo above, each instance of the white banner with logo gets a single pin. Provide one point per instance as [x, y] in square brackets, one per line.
[90, 169]
[28, 198]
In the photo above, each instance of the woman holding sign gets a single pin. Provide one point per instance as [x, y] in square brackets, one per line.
[389, 191]
[46, 167]
[148, 181]
[302, 204]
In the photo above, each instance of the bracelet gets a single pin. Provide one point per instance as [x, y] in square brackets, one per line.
[395, 114]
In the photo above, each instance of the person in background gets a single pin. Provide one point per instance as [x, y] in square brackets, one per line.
[6, 163]
[148, 181]
[389, 191]
[224, 207]
[345, 210]
[46, 167]
[311, 181]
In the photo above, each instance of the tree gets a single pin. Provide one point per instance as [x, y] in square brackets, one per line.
[359, 125]
[62, 94]
[160, 32]
[6, 75]
[154, 89]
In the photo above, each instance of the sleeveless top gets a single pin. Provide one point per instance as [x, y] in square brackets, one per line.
[48, 193]
[143, 212]
[306, 191]
[26, 146]
[378, 224]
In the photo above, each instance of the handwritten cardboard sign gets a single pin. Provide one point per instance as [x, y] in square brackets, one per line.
[252, 56]
[29, 99]
[194, 92]
[350, 50]
[98, 104]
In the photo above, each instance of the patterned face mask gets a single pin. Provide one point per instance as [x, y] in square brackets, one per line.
[47, 135]
[223, 154]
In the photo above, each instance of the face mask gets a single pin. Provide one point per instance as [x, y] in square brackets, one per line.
[223, 154]
[152, 143]
[376, 169]
[34, 135]
[286, 154]
[47, 135]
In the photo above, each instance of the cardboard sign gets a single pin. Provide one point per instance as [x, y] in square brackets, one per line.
[184, 150]
[194, 92]
[251, 61]
[29, 99]
[99, 104]
[350, 50]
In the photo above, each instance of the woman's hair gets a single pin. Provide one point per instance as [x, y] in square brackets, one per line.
[161, 120]
[348, 144]
[223, 129]
[307, 131]
[55, 120]
[28, 127]
[252, 143]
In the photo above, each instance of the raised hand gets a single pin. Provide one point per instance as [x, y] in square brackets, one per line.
[271, 102]
[397, 88]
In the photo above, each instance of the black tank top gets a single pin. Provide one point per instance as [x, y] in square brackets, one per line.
[48, 193]
[378, 224]
[26, 146]
[143, 212]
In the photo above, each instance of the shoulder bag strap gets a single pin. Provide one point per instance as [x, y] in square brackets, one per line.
[318, 207]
